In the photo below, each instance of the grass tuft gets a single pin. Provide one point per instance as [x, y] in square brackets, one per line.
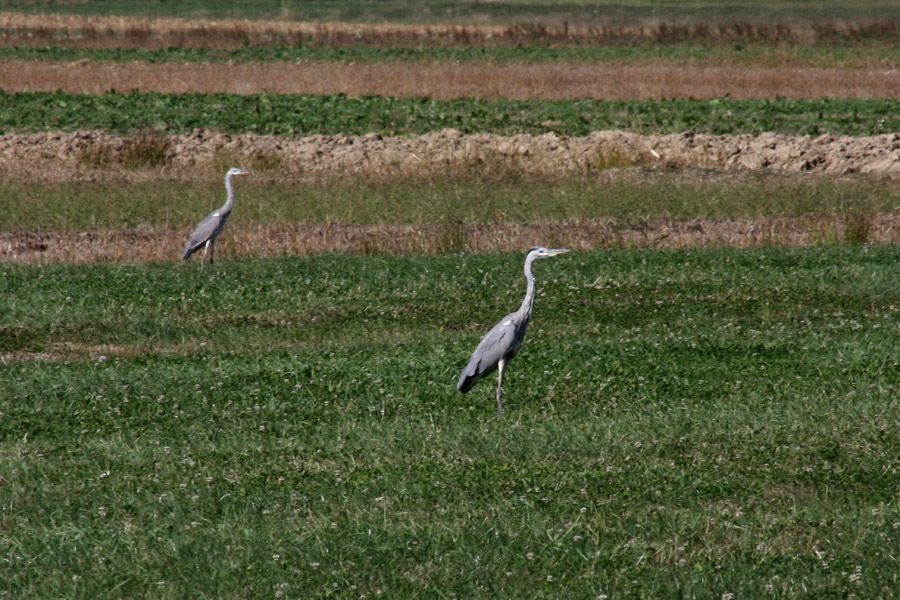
[620, 156]
[147, 150]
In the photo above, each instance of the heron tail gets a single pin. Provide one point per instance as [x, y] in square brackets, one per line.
[467, 381]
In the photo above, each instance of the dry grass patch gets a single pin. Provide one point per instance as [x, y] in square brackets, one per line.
[75, 31]
[269, 241]
[452, 81]
[148, 150]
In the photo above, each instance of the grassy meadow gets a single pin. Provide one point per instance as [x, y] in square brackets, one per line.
[712, 423]
[466, 196]
[696, 423]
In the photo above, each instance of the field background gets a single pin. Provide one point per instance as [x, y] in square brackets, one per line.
[706, 403]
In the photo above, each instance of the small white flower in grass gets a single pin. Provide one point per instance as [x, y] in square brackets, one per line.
[314, 565]
[530, 555]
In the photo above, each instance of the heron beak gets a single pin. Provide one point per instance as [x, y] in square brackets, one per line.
[555, 251]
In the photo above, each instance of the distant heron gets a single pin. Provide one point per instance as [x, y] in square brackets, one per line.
[210, 227]
[502, 342]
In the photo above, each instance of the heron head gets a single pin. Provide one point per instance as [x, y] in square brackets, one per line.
[236, 171]
[541, 252]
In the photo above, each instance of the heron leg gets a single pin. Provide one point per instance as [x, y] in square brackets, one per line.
[212, 249]
[203, 258]
[501, 367]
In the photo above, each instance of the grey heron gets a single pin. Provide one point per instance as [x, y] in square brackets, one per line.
[209, 228]
[502, 342]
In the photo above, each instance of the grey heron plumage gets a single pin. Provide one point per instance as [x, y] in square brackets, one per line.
[209, 228]
[502, 342]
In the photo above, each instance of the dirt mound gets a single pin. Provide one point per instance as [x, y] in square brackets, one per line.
[93, 154]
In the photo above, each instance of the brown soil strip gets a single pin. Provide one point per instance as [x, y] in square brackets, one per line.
[58, 157]
[140, 246]
[450, 81]
[163, 26]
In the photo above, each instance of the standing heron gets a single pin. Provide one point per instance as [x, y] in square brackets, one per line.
[502, 342]
[210, 227]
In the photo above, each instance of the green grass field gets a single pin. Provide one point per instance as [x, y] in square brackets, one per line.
[697, 424]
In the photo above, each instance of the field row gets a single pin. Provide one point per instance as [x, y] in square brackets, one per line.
[121, 222]
[698, 22]
[717, 422]
[871, 57]
[449, 81]
[292, 115]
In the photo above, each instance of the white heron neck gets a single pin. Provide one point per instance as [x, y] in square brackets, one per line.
[229, 201]
[528, 301]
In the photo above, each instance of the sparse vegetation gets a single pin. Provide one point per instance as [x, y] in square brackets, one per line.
[148, 150]
[466, 197]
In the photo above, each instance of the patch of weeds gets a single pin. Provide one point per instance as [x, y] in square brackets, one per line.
[97, 156]
[452, 238]
[850, 228]
[264, 162]
[148, 150]
[857, 227]
[226, 158]
[619, 157]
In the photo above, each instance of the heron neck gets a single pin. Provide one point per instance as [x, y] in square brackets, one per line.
[229, 201]
[528, 302]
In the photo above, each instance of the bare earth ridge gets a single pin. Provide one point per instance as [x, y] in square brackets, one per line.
[56, 156]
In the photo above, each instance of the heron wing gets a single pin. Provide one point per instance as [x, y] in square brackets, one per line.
[207, 228]
[496, 345]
